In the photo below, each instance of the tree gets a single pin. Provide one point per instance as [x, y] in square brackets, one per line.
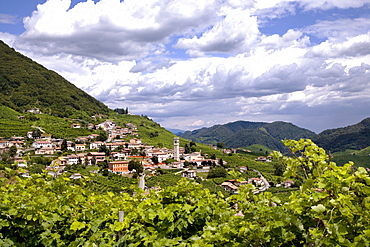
[187, 149]
[103, 165]
[279, 169]
[169, 161]
[64, 146]
[135, 165]
[103, 136]
[13, 151]
[217, 172]
[103, 148]
[220, 144]
[36, 133]
[221, 162]
[155, 159]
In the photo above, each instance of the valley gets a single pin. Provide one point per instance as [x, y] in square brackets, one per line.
[69, 166]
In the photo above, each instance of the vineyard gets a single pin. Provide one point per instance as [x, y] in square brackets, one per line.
[110, 183]
[331, 208]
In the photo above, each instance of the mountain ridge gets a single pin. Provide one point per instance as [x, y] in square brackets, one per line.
[245, 133]
[356, 137]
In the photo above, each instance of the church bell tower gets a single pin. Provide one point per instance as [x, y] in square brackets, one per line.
[176, 148]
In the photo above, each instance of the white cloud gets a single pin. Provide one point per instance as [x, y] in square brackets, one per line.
[8, 19]
[339, 30]
[358, 47]
[111, 30]
[311, 4]
[136, 54]
[235, 32]
[8, 38]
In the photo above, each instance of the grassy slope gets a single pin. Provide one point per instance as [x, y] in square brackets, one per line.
[25, 84]
[10, 125]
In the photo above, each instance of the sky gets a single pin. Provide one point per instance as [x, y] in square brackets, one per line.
[189, 64]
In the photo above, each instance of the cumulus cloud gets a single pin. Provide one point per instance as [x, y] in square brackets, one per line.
[111, 30]
[339, 30]
[356, 47]
[235, 32]
[198, 63]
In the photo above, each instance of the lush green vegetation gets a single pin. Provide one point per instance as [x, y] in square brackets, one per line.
[110, 183]
[163, 181]
[329, 209]
[25, 84]
[11, 125]
[354, 137]
[361, 157]
[242, 133]
[149, 131]
[257, 149]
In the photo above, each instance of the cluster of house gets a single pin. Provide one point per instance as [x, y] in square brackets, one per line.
[112, 129]
[264, 159]
[233, 185]
[5, 144]
[119, 155]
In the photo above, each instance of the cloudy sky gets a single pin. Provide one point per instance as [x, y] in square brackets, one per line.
[196, 63]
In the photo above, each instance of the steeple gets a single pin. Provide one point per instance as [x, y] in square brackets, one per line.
[176, 148]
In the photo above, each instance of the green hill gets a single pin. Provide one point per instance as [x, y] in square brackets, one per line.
[244, 133]
[355, 137]
[25, 84]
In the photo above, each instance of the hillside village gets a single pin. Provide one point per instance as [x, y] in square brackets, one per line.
[121, 145]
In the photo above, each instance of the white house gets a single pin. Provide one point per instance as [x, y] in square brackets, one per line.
[72, 159]
[189, 174]
[228, 186]
[42, 144]
[80, 147]
[96, 145]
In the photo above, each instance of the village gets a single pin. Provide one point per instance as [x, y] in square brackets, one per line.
[117, 153]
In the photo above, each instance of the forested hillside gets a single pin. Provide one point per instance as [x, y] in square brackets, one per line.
[355, 137]
[25, 84]
[244, 133]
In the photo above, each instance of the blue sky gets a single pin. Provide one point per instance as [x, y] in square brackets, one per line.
[196, 63]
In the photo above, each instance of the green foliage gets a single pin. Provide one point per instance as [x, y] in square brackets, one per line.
[217, 172]
[111, 183]
[258, 149]
[242, 133]
[103, 136]
[12, 151]
[354, 137]
[331, 208]
[359, 160]
[11, 125]
[24, 84]
[163, 181]
[135, 165]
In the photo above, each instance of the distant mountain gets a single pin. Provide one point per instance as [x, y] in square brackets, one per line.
[354, 137]
[25, 84]
[176, 131]
[245, 133]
